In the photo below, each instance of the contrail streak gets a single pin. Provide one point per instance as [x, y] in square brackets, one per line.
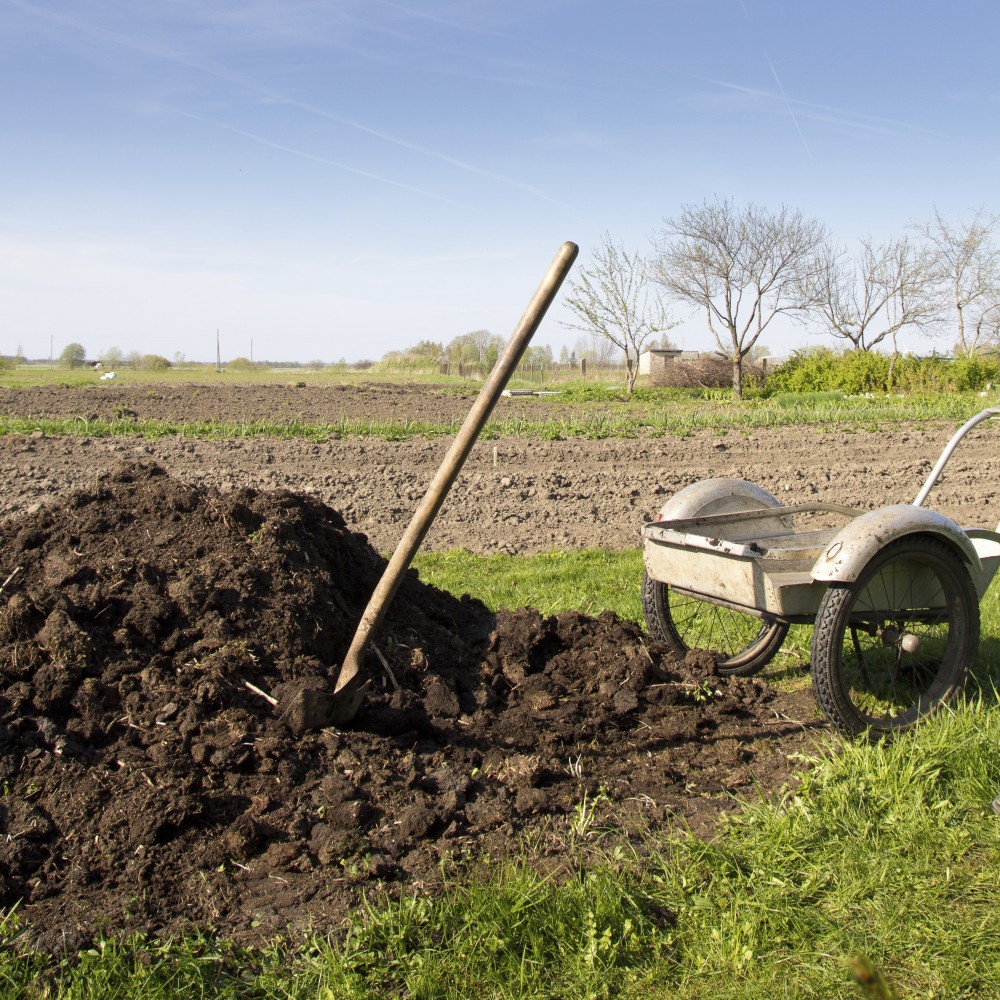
[316, 159]
[413, 147]
[841, 117]
[788, 104]
[781, 89]
[255, 88]
[423, 15]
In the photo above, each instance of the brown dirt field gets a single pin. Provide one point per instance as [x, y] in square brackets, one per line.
[535, 496]
[248, 401]
[147, 787]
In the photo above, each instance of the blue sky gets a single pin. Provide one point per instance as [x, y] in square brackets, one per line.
[339, 178]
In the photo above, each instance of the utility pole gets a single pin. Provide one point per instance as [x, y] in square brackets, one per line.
[218, 352]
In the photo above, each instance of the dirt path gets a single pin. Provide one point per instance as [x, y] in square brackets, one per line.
[519, 495]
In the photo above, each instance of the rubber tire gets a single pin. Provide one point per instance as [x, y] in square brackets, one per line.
[831, 681]
[742, 661]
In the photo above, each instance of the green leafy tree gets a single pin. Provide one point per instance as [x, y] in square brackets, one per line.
[480, 347]
[538, 355]
[73, 355]
[427, 350]
[154, 363]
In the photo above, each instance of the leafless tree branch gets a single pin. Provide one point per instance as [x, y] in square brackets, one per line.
[612, 299]
[742, 267]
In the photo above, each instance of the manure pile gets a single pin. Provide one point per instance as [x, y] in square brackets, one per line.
[147, 783]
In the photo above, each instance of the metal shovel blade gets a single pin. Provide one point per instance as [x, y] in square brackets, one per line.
[311, 708]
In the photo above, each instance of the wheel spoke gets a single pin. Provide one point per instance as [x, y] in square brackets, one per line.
[741, 643]
[895, 645]
[703, 625]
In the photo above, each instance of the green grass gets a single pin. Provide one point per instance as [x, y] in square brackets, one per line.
[587, 581]
[890, 852]
[76, 426]
[547, 422]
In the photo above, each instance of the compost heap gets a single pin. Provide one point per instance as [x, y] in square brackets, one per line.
[148, 783]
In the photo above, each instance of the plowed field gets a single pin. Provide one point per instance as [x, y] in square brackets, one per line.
[156, 593]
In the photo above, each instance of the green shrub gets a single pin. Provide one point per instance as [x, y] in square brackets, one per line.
[856, 373]
[922, 375]
[154, 363]
[971, 374]
[859, 372]
[810, 370]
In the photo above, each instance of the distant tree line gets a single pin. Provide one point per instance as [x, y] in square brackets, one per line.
[74, 355]
[479, 349]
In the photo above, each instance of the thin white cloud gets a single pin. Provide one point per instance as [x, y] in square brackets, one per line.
[743, 98]
[228, 25]
[317, 159]
[168, 54]
[414, 147]
[424, 15]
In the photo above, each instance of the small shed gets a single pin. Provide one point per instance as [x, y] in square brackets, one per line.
[656, 359]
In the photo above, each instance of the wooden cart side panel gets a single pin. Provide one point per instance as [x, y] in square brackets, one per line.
[733, 579]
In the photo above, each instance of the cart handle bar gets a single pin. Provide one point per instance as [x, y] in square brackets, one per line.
[993, 411]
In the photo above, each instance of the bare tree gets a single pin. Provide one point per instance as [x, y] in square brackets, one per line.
[986, 326]
[595, 350]
[966, 261]
[743, 267]
[612, 299]
[871, 296]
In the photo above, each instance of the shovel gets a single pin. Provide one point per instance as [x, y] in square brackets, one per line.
[312, 708]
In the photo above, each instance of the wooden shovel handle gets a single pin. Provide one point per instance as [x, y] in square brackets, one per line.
[454, 460]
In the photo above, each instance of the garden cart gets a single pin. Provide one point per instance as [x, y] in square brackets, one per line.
[893, 593]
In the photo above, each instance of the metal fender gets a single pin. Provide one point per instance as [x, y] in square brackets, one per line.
[856, 544]
[716, 496]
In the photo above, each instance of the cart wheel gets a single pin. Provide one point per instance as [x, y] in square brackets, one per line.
[743, 643]
[894, 646]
